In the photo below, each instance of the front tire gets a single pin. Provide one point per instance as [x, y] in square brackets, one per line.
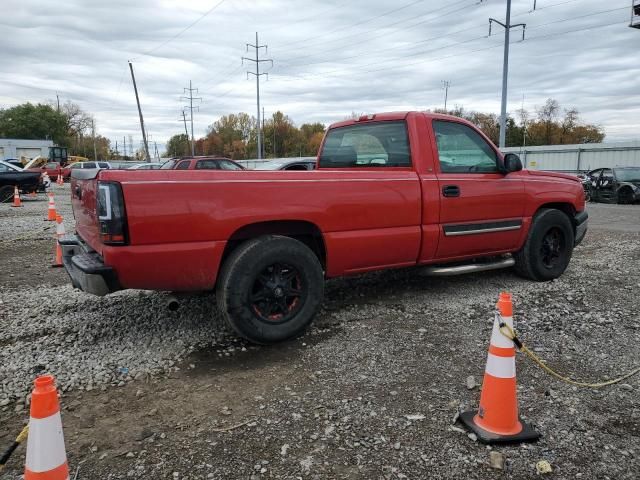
[549, 246]
[625, 196]
[270, 288]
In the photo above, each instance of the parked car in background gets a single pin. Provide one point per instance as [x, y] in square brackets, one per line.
[12, 176]
[145, 166]
[300, 163]
[201, 163]
[52, 169]
[613, 185]
[14, 161]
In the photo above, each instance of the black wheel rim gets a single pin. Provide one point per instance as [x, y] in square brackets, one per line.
[552, 248]
[277, 294]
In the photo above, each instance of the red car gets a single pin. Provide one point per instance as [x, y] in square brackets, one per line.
[52, 169]
[391, 190]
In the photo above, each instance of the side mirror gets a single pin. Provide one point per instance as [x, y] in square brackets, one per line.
[512, 163]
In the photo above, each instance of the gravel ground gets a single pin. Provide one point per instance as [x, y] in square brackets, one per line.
[370, 392]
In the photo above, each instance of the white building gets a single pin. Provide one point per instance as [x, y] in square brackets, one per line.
[17, 148]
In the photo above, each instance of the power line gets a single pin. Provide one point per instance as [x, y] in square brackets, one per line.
[421, 62]
[192, 24]
[361, 22]
[435, 49]
[368, 38]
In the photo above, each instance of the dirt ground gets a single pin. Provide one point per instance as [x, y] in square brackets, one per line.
[372, 390]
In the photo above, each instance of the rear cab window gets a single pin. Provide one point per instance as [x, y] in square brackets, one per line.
[463, 150]
[184, 165]
[207, 165]
[381, 144]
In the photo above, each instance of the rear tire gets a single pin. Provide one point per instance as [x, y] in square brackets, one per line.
[625, 196]
[549, 246]
[270, 288]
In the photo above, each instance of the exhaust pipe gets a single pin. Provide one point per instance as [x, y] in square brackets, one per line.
[173, 303]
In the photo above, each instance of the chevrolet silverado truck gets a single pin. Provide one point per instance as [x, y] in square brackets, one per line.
[391, 190]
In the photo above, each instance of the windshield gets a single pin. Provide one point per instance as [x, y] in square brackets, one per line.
[628, 174]
[168, 165]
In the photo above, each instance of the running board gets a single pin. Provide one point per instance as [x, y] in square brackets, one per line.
[447, 271]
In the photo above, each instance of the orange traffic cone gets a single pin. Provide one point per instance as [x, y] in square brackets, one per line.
[59, 234]
[16, 198]
[52, 208]
[46, 455]
[497, 420]
[59, 180]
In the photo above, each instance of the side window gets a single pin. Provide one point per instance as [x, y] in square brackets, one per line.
[89, 165]
[382, 144]
[183, 165]
[606, 179]
[103, 165]
[4, 168]
[463, 150]
[297, 166]
[207, 165]
[227, 165]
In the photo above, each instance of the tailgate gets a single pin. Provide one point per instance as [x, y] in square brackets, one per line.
[84, 185]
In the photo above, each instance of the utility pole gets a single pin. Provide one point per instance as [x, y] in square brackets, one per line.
[93, 133]
[124, 147]
[144, 134]
[257, 74]
[191, 98]
[445, 85]
[264, 148]
[505, 68]
[58, 99]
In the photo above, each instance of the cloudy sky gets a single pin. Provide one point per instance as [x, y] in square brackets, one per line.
[330, 58]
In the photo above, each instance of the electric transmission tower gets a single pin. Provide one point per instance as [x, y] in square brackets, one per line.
[505, 68]
[191, 98]
[257, 74]
[446, 84]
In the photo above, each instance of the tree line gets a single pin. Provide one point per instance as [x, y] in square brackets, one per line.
[235, 135]
[67, 125]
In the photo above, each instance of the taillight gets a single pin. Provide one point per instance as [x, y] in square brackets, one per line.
[111, 214]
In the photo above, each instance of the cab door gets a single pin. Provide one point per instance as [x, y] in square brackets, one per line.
[605, 187]
[481, 209]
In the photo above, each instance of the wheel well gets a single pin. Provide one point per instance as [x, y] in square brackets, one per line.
[567, 208]
[305, 232]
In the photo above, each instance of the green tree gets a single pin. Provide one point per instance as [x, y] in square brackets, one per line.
[30, 121]
[178, 146]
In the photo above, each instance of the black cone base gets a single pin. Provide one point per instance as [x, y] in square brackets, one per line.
[528, 434]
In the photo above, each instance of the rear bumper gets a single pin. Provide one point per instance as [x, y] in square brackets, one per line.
[581, 221]
[86, 268]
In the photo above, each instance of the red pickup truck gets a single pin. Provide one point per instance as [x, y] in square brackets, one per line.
[391, 190]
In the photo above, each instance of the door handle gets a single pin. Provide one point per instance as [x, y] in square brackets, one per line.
[450, 191]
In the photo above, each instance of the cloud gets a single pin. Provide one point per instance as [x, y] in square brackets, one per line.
[330, 58]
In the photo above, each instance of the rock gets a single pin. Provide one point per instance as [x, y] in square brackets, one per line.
[284, 449]
[496, 460]
[396, 446]
[626, 386]
[473, 436]
[5, 402]
[543, 467]
[471, 382]
[414, 417]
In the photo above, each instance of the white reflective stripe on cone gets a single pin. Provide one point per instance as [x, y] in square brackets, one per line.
[45, 444]
[497, 338]
[501, 367]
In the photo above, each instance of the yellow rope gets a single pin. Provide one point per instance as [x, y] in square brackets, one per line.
[23, 434]
[511, 335]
